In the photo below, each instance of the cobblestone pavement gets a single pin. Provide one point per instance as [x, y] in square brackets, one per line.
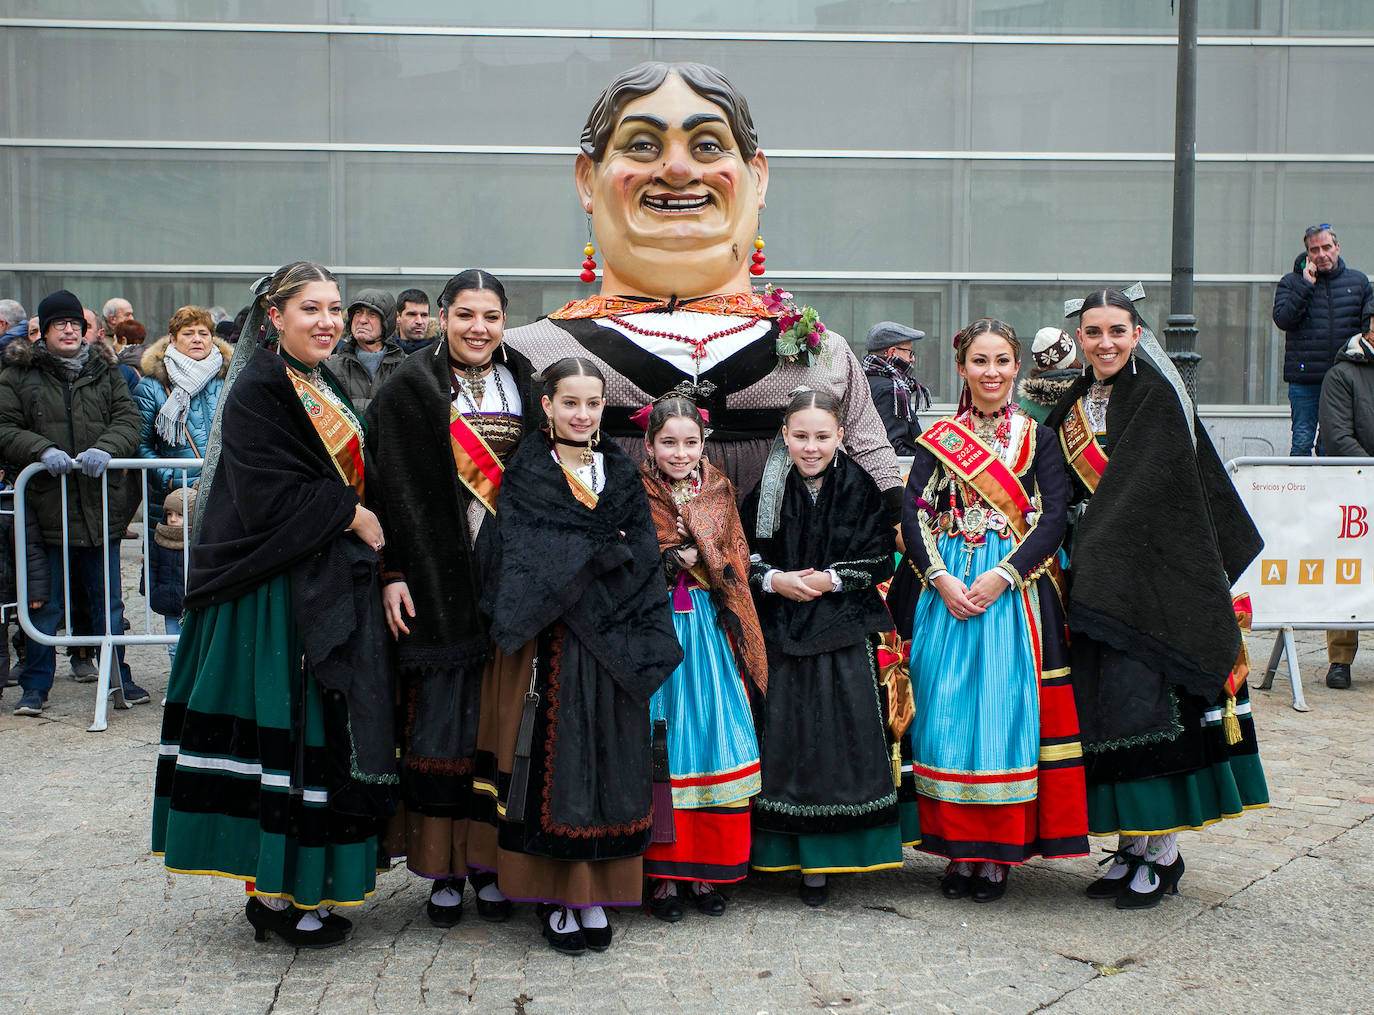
[1273, 914]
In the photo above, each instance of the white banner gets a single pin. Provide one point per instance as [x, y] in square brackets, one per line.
[1317, 565]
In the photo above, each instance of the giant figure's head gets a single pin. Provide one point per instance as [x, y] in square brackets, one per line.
[672, 175]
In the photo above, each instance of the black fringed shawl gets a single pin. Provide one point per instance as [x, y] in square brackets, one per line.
[845, 528]
[279, 504]
[1162, 539]
[599, 571]
[413, 486]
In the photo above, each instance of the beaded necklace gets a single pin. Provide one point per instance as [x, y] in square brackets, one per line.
[478, 388]
[698, 344]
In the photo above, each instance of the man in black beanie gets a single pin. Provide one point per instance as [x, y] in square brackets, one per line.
[64, 404]
[897, 395]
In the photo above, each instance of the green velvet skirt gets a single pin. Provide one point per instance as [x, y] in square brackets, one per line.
[240, 790]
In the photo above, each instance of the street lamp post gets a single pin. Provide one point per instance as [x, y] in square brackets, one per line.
[1180, 333]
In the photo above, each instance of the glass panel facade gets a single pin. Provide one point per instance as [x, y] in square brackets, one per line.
[916, 227]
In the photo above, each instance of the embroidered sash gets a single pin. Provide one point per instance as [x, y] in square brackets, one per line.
[478, 466]
[342, 442]
[978, 466]
[745, 304]
[1085, 456]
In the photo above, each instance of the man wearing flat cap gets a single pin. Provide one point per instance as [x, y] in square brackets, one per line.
[897, 395]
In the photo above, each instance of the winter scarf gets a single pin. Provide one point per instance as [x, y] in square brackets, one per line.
[903, 386]
[188, 377]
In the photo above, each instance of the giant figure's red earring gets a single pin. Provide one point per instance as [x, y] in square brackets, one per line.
[589, 252]
[757, 268]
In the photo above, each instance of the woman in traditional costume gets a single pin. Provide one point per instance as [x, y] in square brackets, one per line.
[439, 433]
[672, 180]
[703, 727]
[574, 586]
[1167, 733]
[277, 761]
[821, 545]
[995, 757]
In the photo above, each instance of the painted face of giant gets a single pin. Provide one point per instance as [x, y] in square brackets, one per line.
[674, 205]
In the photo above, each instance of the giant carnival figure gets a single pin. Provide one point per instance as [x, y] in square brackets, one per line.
[672, 179]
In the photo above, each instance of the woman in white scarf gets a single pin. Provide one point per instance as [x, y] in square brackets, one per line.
[183, 374]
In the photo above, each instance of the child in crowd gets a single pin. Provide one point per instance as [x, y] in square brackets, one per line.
[166, 556]
[821, 544]
[40, 585]
[703, 730]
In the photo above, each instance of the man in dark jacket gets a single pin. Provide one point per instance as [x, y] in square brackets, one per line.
[1320, 304]
[1347, 422]
[62, 403]
[897, 395]
[365, 359]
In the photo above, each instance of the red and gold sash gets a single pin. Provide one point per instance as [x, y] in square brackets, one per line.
[478, 466]
[1085, 456]
[978, 466]
[340, 438]
[745, 304]
[584, 493]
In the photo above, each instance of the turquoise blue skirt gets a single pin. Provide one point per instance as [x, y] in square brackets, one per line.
[713, 753]
[976, 736]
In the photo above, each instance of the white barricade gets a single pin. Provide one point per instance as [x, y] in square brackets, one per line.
[1316, 571]
[105, 640]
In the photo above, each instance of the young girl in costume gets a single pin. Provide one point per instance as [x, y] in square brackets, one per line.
[573, 567]
[703, 726]
[995, 755]
[821, 544]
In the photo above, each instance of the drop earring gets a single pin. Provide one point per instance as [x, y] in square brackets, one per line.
[756, 269]
[589, 456]
[589, 252]
[1132, 361]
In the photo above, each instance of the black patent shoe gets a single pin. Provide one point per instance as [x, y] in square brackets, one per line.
[954, 885]
[566, 942]
[1166, 883]
[668, 908]
[711, 903]
[987, 890]
[814, 895]
[283, 923]
[445, 916]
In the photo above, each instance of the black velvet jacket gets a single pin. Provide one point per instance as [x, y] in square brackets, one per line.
[413, 486]
[1162, 539]
[845, 528]
[551, 558]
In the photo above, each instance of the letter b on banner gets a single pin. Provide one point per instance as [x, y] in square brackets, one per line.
[1353, 524]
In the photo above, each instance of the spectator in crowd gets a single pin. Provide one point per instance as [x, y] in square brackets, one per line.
[167, 562]
[39, 579]
[1057, 366]
[1319, 304]
[95, 326]
[13, 322]
[63, 404]
[412, 320]
[127, 338]
[183, 375]
[897, 395]
[369, 355]
[116, 310]
[33, 328]
[217, 314]
[1347, 426]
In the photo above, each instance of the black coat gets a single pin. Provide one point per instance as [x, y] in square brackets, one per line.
[1319, 318]
[1347, 406]
[901, 433]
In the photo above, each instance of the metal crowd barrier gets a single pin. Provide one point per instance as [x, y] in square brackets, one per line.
[107, 640]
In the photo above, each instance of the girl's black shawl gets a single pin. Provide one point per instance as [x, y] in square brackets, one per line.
[279, 505]
[1161, 541]
[845, 528]
[599, 571]
[414, 487]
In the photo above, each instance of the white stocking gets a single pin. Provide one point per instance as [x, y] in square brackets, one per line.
[593, 918]
[813, 880]
[1161, 850]
[1125, 844]
[562, 921]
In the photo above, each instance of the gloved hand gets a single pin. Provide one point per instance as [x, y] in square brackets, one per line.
[56, 461]
[93, 462]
